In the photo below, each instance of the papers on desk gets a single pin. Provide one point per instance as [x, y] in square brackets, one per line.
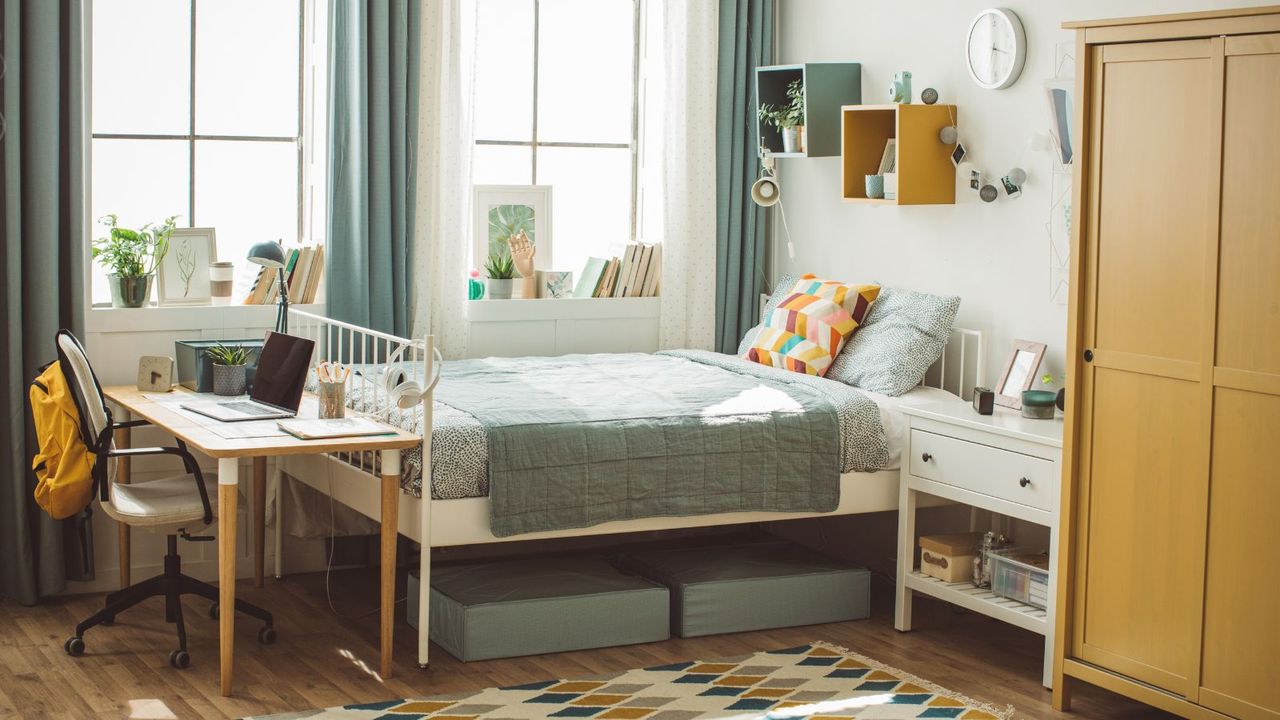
[173, 401]
[334, 428]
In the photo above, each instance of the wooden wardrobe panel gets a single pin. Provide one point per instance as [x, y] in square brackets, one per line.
[1154, 210]
[1145, 496]
[1249, 293]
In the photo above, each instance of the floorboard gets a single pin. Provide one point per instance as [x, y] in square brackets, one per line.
[323, 659]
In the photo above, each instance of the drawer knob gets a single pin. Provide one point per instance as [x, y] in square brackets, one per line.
[1024, 482]
[926, 457]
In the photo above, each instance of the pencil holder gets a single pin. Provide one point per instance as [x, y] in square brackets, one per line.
[333, 400]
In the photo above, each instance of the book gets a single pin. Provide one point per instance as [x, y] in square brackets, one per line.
[589, 280]
[301, 268]
[253, 289]
[315, 429]
[262, 289]
[646, 267]
[606, 286]
[313, 278]
[655, 271]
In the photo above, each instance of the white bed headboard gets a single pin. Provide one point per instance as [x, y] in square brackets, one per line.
[959, 370]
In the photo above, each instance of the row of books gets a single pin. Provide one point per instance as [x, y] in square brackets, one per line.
[638, 273]
[304, 266]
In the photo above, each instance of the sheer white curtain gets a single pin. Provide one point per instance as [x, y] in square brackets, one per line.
[442, 222]
[678, 163]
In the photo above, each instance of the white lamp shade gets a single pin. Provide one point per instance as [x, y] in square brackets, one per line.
[766, 192]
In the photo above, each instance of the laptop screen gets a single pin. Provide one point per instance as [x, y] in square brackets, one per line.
[282, 370]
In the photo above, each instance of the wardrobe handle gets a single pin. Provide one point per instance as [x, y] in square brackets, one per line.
[1088, 356]
[1024, 482]
[926, 457]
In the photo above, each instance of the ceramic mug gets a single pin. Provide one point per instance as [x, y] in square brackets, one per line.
[875, 186]
[222, 277]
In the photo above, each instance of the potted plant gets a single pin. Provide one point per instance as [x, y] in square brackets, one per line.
[1039, 404]
[130, 258]
[501, 271]
[789, 118]
[229, 368]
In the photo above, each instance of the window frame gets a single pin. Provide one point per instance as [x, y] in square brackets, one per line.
[304, 176]
[633, 145]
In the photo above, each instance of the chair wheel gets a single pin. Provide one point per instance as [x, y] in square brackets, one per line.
[422, 666]
[267, 635]
[179, 659]
[74, 646]
[213, 611]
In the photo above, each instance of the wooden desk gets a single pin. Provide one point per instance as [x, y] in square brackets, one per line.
[196, 431]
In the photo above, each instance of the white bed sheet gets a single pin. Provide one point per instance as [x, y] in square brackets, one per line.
[895, 421]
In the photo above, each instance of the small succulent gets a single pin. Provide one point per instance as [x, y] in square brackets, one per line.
[499, 267]
[1048, 379]
[228, 354]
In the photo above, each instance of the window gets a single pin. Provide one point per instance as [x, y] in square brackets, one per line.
[200, 110]
[555, 104]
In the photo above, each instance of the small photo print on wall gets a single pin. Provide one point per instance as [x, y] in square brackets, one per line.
[183, 276]
[505, 210]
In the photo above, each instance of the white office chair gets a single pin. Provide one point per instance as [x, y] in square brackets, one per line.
[175, 507]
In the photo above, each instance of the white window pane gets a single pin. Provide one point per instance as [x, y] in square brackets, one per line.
[140, 181]
[247, 192]
[247, 67]
[502, 165]
[141, 66]
[591, 193]
[504, 70]
[586, 86]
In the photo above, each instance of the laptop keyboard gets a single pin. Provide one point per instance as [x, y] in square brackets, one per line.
[249, 408]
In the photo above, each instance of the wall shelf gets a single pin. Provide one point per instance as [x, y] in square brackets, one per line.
[926, 175]
[827, 87]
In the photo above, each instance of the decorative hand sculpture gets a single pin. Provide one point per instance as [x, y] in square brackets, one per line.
[522, 252]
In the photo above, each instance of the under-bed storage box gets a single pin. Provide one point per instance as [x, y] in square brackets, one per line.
[520, 607]
[754, 586]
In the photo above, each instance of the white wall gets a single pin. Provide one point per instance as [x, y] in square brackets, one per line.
[995, 257]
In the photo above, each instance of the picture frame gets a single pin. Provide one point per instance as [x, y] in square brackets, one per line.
[499, 210]
[1019, 373]
[182, 277]
[1061, 96]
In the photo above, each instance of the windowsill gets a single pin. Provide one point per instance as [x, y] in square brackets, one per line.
[104, 319]
[561, 309]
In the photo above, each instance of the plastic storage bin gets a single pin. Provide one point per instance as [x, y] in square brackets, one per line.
[1020, 574]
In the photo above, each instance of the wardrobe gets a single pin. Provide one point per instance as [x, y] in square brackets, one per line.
[1169, 589]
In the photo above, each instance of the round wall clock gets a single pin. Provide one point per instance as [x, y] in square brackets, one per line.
[996, 48]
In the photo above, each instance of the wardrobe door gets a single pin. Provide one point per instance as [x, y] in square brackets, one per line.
[1150, 258]
[1241, 660]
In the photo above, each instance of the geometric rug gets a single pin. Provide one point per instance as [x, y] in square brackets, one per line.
[811, 681]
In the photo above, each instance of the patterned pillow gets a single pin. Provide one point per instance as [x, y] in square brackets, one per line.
[905, 333]
[805, 332]
[781, 290]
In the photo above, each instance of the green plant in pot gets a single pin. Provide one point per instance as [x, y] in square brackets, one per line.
[500, 270]
[131, 257]
[789, 118]
[230, 364]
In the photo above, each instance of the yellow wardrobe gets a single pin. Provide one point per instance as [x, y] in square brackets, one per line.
[1170, 588]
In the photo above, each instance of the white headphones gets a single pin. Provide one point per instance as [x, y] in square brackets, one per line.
[402, 391]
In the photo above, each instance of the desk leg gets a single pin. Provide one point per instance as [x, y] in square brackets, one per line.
[124, 467]
[259, 518]
[279, 528]
[228, 496]
[390, 527]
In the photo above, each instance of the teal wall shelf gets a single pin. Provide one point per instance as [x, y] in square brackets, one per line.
[827, 87]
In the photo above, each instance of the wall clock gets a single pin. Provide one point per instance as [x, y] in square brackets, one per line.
[996, 48]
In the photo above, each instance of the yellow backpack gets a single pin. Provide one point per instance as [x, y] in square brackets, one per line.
[64, 464]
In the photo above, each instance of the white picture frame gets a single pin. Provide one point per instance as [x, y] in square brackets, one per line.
[490, 200]
[183, 275]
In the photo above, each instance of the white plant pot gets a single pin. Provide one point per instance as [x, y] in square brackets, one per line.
[498, 289]
[791, 140]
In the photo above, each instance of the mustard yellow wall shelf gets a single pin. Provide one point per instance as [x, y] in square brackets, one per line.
[926, 175]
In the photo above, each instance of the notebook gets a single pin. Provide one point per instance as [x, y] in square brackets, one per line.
[313, 429]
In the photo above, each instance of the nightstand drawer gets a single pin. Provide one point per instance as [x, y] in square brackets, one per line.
[1000, 473]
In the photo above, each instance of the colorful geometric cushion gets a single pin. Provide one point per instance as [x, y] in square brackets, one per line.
[806, 330]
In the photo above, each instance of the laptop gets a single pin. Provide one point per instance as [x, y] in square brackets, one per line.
[277, 383]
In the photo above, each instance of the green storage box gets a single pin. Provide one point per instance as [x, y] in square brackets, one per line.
[754, 586]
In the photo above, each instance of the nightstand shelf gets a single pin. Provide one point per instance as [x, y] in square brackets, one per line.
[1002, 463]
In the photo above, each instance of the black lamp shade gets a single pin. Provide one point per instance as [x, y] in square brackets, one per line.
[267, 254]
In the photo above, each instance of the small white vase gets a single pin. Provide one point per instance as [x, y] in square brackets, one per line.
[498, 289]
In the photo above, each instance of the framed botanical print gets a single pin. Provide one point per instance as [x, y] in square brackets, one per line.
[183, 275]
[505, 210]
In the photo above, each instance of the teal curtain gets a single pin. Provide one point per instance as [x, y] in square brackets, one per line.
[42, 136]
[746, 42]
[373, 126]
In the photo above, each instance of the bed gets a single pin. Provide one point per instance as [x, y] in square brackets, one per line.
[396, 378]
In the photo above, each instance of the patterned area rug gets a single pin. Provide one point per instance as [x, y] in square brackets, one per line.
[810, 681]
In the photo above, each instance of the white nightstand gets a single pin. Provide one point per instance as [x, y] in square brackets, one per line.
[1003, 463]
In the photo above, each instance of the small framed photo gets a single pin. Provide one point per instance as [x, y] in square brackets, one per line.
[183, 276]
[504, 210]
[958, 154]
[1019, 373]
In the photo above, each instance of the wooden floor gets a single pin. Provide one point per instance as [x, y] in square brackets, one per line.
[321, 659]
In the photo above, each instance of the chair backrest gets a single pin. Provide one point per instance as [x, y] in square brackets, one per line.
[93, 407]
